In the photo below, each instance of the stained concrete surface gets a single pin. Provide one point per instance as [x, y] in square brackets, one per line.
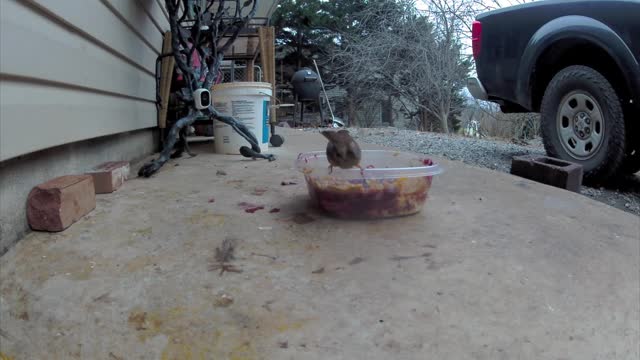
[495, 267]
[19, 175]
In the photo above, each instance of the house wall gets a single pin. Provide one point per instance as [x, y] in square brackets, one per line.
[74, 76]
[75, 70]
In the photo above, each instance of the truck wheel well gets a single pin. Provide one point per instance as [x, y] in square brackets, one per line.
[574, 52]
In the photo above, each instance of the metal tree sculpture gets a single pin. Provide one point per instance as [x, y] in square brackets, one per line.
[208, 28]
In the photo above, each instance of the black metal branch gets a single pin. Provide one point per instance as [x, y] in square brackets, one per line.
[238, 9]
[186, 49]
[209, 5]
[242, 24]
[155, 165]
[244, 131]
[207, 37]
[220, 9]
[185, 5]
[222, 49]
[176, 41]
[196, 42]
[214, 68]
[184, 14]
[196, 28]
[203, 62]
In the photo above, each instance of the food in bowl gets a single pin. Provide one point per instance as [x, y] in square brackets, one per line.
[392, 184]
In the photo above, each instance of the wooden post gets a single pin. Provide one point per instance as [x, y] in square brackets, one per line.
[165, 80]
[282, 79]
[266, 35]
[250, 72]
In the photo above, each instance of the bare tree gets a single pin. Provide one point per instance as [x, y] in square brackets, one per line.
[419, 58]
[404, 53]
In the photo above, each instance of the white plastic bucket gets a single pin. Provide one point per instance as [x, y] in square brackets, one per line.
[247, 102]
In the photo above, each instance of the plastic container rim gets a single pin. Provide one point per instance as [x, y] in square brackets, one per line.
[413, 171]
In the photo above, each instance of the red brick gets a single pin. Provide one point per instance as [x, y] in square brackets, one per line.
[60, 202]
[108, 177]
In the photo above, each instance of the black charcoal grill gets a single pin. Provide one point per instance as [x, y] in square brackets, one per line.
[306, 85]
[306, 88]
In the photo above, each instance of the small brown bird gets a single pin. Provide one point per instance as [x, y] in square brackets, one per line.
[342, 150]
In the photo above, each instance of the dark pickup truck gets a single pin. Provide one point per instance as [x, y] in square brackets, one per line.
[576, 62]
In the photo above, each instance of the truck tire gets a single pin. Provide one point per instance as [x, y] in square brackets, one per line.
[583, 122]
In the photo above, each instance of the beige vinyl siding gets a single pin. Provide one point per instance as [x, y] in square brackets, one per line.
[72, 70]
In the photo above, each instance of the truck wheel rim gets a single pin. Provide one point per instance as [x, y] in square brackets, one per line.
[581, 125]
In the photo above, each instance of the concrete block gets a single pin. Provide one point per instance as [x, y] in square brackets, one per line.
[60, 202]
[548, 170]
[108, 177]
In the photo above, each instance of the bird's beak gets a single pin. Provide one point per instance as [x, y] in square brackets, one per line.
[330, 135]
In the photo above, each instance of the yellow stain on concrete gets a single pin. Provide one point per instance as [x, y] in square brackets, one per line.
[141, 262]
[82, 272]
[46, 260]
[287, 326]
[177, 323]
[147, 324]
[179, 352]
[4, 356]
[237, 184]
[199, 348]
[20, 308]
[207, 219]
[243, 351]
[191, 337]
[143, 232]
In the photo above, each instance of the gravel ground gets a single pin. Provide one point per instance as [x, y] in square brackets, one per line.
[495, 155]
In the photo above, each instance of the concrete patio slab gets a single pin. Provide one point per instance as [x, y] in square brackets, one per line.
[495, 267]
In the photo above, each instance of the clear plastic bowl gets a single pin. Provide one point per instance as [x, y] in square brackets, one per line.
[392, 184]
